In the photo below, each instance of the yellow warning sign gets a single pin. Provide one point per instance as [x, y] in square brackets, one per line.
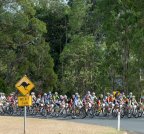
[24, 101]
[24, 85]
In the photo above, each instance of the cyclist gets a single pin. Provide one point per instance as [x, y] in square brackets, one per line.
[78, 102]
[33, 97]
[55, 97]
[93, 97]
[45, 98]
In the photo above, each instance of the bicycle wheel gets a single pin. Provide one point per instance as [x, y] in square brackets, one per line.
[90, 113]
[82, 113]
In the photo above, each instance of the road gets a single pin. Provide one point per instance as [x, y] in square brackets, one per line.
[132, 125]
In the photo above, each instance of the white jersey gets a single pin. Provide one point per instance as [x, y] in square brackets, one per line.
[1, 101]
[3, 98]
[38, 100]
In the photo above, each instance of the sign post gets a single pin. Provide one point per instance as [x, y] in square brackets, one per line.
[24, 119]
[24, 86]
[24, 101]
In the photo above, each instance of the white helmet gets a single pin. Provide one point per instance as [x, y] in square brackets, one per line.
[130, 93]
[56, 93]
[76, 94]
[45, 94]
[65, 96]
[93, 93]
[32, 93]
[88, 92]
[61, 97]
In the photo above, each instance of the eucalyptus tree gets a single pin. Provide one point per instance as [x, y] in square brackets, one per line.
[122, 25]
[23, 49]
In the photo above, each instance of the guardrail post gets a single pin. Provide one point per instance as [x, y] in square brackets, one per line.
[118, 121]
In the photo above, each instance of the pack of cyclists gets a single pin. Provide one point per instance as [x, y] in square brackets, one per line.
[90, 102]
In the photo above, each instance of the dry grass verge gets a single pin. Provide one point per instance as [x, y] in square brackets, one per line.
[14, 125]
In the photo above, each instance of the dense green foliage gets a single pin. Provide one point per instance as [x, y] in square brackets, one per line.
[72, 46]
[23, 49]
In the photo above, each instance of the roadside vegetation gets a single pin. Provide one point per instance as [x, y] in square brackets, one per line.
[72, 46]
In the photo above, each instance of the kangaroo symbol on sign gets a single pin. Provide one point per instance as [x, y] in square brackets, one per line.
[24, 84]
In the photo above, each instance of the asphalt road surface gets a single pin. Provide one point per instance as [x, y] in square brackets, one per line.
[134, 125]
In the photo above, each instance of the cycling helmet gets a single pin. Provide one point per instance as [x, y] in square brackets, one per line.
[88, 92]
[61, 97]
[76, 94]
[49, 92]
[45, 94]
[133, 96]
[101, 95]
[124, 96]
[56, 93]
[130, 93]
[93, 93]
[32, 93]
[108, 93]
[65, 96]
[73, 96]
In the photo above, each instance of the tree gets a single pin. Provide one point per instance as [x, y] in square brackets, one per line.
[23, 49]
[80, 60]
[120, 22]
[54, 14]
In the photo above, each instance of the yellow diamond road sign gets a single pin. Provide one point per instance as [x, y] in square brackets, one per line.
[24, 101]
[24, 85]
